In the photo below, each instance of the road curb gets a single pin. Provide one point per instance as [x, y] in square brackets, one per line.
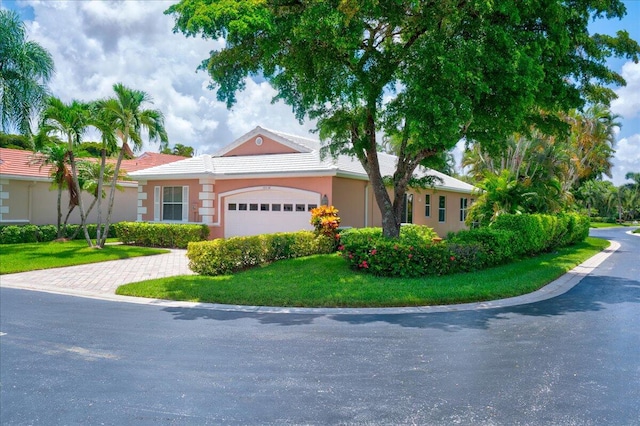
[557, 287]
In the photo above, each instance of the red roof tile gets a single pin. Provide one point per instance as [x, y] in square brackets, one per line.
[16, 162]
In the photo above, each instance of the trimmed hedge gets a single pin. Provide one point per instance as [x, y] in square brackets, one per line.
[20, 234]
[227, 255]
[169, 235]
[511, 237]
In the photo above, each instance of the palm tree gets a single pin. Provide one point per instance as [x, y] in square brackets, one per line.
[69, 121]
[56, 156]
[25, 69]
[100, 120]
[128, 118]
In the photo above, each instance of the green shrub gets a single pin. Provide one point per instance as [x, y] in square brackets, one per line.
[412, 254]
[11, 235]
[171, 235]
[227, 255]
[47, 233]
[497, 245]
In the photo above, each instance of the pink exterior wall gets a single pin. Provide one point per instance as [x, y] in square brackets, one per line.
[269, 146]
[452, 221]
[194, 189]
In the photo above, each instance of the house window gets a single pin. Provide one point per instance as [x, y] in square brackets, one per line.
[311, 207]
[242, 206]
[407, 209]
[288, 207]
[300, 207]
[427, 205]
[173, 203]
[232, 206]
[275, 207]
[463, 209]
[264, 207]
[253, 207]
[442, 208]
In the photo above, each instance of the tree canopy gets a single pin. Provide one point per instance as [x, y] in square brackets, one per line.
[25, 69]
[430, 73]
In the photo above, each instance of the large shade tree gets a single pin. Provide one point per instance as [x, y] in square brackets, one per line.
[25, 69]
[430, 72]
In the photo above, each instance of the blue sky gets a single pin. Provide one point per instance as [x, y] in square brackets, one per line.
[98, 43]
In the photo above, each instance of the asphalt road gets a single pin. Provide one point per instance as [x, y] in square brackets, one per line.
[571, 360]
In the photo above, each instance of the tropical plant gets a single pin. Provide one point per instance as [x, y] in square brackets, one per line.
[431, 73]
[25, 69]
[126, 116]
[56, 156]
[69, 121]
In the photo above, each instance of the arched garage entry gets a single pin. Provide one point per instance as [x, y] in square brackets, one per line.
[267, 209]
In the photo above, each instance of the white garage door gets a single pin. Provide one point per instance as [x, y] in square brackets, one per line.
[268, 210]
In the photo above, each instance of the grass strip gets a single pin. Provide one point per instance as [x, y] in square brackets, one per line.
[610, 225]
[54, 254]
[326, 281]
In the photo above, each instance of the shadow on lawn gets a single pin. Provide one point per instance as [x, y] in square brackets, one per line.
[593, 294]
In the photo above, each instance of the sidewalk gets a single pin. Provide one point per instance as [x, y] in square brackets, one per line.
[100, 278]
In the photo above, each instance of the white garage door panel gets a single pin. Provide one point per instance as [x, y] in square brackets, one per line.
[253, 222]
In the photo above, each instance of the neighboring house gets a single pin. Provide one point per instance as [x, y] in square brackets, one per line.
[267, 181]
[26, 194]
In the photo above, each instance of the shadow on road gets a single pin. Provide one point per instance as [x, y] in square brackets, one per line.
[593, 294]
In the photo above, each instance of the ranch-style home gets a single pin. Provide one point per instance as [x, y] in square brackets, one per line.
[267, 181]
[27, 197]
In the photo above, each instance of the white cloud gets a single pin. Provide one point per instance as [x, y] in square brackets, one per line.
[628, 103]
[98, 44]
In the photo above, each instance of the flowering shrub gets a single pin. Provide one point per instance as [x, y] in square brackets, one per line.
[326, 220]
[415, 254]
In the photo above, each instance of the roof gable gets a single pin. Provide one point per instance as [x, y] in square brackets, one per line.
[261, 141]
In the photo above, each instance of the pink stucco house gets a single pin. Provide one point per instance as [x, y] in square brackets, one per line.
[268, 181]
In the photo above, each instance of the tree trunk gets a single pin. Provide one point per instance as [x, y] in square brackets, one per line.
[112, 193]
[59, 224]
[76, 183]
[103, 160]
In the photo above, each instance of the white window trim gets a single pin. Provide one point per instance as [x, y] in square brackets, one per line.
[442, 209]
[158, 203]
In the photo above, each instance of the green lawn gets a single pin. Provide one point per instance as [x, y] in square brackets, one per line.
[609, 225]
[326, 281]
[29, 257]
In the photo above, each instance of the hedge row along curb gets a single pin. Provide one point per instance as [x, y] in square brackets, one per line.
[224, 256]
[510, 237]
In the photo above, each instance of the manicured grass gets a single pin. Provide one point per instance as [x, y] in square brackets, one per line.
[609, 225]
[30, 257]
[326, 281]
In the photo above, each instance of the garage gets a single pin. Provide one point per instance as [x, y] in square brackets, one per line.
[265, 210]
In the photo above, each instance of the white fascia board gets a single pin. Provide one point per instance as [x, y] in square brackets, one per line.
[25, 178]
[310, 173]
[173, 176]
[352, 175]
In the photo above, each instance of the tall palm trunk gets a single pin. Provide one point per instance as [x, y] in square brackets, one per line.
[59, 205]
[103, 160]
[112, 191]
[76, 183]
